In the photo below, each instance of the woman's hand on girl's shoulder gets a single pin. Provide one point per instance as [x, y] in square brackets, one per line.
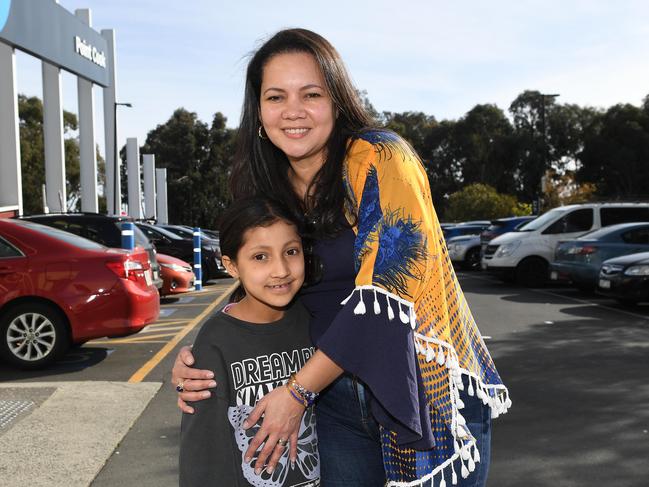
[194, 383]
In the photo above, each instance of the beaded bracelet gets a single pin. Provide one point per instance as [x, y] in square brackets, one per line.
[306, 396]
[297, 398]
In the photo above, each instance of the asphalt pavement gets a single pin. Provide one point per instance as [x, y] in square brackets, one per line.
[576, 366]
[65, 425]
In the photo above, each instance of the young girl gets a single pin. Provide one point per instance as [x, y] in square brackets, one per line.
[254, 345]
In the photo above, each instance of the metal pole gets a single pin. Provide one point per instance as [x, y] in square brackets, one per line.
[116, 196]
[545, 147]
[128, 235]
[198, 271]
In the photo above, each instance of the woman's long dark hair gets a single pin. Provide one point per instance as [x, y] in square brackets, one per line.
[261, 168]
[243, 215]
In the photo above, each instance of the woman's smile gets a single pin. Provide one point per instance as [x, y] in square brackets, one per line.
[295, 133]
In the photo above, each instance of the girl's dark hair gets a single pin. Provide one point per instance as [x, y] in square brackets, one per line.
[261, 168]
[245, 214]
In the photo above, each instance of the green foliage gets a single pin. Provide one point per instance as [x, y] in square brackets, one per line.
[563, 189]
[198, 158]
[616, 153]
[547, 135]
[30, 115]
[482, 202]
[486, 154]
[485, 149]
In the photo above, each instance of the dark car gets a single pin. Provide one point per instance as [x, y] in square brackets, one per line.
[579, 260]
[183, 248]
[186, 231]
[625, 278]
[502, 225]
[464, 229]
[103, 229]
[59, 289]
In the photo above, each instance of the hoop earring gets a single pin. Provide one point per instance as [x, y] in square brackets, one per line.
[259, 133]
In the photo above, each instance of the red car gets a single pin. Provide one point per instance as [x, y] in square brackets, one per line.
[59, 289]
[177, 275]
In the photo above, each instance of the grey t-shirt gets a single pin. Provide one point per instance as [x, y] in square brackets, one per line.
[249, 360]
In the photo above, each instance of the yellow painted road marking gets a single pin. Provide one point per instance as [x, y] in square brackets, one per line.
[158, 329]
[169, 322]
[141, 338]
[164, 351]
[137, 339]
[144, 341]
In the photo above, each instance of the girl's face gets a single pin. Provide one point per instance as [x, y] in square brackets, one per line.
[270, 265]
[295, 108]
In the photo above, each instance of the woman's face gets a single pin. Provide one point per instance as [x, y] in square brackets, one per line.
[295, 108]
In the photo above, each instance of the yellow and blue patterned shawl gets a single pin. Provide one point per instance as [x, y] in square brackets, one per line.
[405, 279]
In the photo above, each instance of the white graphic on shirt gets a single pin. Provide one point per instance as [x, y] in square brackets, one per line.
[308, 460]
[253, 378]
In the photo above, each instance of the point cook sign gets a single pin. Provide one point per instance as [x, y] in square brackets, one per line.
[48, 31]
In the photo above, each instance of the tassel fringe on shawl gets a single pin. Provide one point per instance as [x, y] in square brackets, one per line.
[433, 349]
[404, 274]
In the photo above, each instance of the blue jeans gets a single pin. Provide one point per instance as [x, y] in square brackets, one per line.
[349, 439]
[478, 420]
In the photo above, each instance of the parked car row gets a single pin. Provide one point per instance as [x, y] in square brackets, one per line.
[178, 243]
[64, 280]
[467, 248]
[601, 247]
[58, 289]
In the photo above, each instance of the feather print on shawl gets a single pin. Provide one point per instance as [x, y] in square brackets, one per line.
[406, 330]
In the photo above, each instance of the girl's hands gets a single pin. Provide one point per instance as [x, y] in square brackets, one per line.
[282, 418]
[195, 382]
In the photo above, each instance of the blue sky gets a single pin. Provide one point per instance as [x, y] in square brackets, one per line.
[441, 58]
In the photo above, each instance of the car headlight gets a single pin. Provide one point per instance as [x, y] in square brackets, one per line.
[507, 249]
[637, 270]
[173, 267]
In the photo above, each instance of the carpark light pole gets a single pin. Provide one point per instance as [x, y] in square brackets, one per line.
[545, 144]
[116, 196]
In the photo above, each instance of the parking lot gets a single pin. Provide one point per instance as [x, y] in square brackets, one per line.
[70, 417]
[576, 366]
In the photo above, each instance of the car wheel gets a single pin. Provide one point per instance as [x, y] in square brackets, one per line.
[472, 259]
[33, 335]
[532, 272]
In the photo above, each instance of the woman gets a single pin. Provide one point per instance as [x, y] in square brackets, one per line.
[407, 385]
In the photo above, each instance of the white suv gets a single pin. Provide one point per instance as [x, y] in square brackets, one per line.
[525, 255]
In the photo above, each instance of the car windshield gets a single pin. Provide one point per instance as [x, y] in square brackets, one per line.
[166, 233]
[67, 237]
[541, 221]
[180, 231]
[188, 232]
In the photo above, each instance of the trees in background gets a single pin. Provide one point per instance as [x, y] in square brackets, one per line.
[198, 159]
[479, 201]
[30, 119]
[615, 156]
[581, 153]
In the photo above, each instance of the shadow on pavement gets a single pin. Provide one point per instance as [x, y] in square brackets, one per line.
[580, 391]
[75, 360]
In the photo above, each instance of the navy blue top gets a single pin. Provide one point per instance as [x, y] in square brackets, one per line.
[323, 299]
